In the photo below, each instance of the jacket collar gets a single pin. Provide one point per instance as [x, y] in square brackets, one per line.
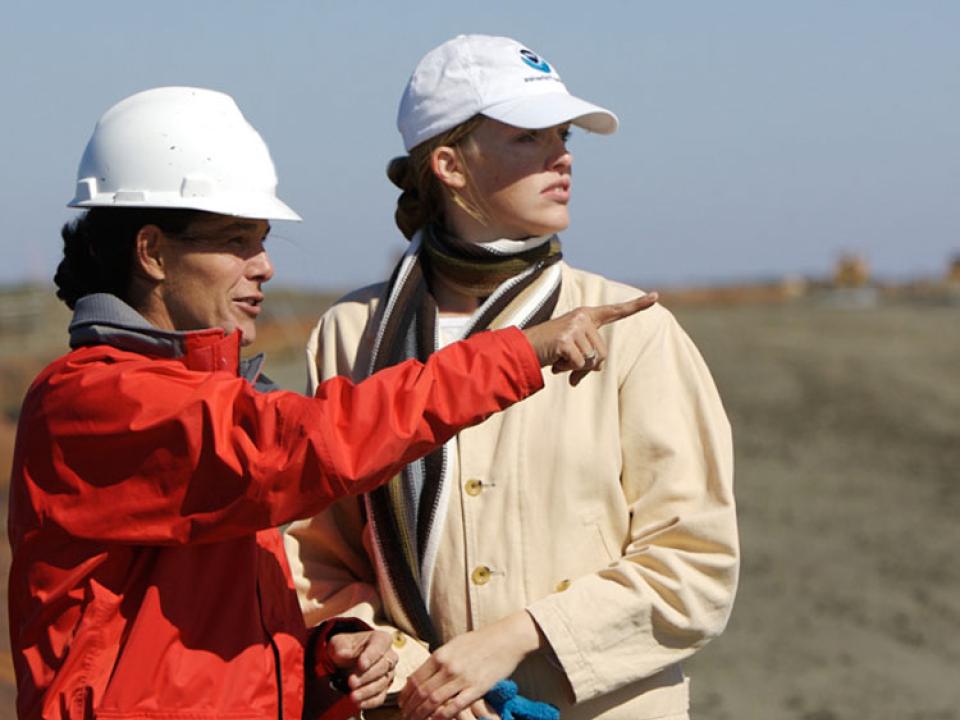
[104, 319]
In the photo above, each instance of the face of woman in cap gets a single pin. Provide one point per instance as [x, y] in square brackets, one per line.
[211, 275]
[519, 180]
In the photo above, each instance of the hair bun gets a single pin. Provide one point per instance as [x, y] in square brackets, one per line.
[400, 172]
[409, 215]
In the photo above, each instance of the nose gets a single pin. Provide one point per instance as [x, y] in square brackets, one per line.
[562, 159]
[260, 267]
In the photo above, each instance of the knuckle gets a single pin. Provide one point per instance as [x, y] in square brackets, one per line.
[452, 667]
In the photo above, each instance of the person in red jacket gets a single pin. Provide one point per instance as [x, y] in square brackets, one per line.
[153, 465]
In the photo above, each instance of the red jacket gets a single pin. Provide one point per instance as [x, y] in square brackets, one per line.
[147, 579]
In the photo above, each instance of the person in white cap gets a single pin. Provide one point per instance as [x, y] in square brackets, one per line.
[583, 544]
[152, 467]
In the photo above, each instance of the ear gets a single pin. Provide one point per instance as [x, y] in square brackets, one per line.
[447, 165]
[148, 255]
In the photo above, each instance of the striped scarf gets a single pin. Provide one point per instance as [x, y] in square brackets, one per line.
[522, 281]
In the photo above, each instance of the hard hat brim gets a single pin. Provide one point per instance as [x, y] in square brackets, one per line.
[256, 207]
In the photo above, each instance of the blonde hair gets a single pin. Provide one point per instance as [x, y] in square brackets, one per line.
[422, 199]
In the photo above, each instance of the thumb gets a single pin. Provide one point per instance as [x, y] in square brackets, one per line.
[605, 314]
[344, 648]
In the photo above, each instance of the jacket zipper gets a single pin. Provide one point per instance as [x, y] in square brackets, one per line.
[276, 654]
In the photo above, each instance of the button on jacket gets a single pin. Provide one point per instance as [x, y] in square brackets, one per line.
[146, 579]
[605, 510]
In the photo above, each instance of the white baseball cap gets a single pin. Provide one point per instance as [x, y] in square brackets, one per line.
[493, 76]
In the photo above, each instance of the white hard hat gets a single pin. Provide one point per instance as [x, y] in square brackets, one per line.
[179, 147]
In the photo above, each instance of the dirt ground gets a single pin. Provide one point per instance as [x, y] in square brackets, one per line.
[847, 433]
[847, 436]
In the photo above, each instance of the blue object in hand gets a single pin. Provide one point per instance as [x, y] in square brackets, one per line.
[503, 698]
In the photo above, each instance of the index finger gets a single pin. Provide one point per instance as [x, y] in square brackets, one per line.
[417, 677]
[605, 314]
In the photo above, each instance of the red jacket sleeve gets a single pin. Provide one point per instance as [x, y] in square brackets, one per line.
[146, 451]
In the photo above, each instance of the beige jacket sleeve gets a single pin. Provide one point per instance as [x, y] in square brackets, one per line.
[673, 587]
[328, 554]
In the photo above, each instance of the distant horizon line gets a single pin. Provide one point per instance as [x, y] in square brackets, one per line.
[879, 280]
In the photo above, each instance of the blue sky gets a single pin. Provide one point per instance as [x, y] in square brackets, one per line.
[758, 139]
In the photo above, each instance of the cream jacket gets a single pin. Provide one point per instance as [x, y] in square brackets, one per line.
[605, 510]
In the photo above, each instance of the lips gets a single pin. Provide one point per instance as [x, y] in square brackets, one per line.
[250, 304]
[559, 190]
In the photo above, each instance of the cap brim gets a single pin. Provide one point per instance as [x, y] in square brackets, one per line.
[540, 111]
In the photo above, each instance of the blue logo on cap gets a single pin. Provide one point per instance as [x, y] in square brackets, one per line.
[534, 60]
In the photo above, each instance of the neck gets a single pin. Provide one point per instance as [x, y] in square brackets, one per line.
[451, 300]
[463, 274]
[466, 227]
[148, 302]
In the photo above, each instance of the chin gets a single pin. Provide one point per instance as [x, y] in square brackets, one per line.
[246, 326]
[558, 222]
[247, 336]
[248, 333]
[550, 229]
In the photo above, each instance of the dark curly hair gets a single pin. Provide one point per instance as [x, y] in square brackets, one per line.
[98, 248]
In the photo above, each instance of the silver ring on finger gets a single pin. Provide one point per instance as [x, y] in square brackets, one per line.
[590, 358]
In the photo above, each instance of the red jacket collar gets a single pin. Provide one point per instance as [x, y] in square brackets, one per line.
[211, 350]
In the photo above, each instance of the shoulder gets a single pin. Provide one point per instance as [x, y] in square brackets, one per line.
[343, 332]
[652, 339]
[581, 287]
[356, 306]
[105, 363]
[650, 348]
[99, 380]
[92, 361]
[346, 321]
[362, 296]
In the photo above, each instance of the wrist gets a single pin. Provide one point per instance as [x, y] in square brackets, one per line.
[524, 633]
